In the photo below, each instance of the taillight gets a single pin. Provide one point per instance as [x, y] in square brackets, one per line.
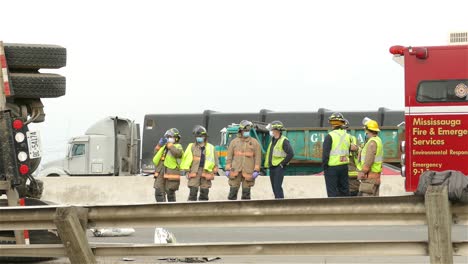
[18, 124]
[397, 50]
[24, 169]
[20, 131]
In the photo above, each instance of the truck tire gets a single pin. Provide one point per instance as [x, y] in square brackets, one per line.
[37, 85]
[34, 56]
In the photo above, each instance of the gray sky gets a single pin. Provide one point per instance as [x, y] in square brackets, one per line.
[130, 58]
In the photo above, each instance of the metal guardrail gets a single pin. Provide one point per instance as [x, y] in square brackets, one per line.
[367, 211]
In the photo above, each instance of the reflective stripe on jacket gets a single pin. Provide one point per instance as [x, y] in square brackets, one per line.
[339, 153]
[278, 153]
[169, 161]
[188, 159]
[377, 165]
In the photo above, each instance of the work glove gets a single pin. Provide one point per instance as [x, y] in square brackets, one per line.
[162, 141]
[227, 173]
[255, 174]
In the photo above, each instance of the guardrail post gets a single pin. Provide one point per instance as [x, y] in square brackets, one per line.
[439, 222]
[72, 231]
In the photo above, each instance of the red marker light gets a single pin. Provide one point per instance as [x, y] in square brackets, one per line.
[397, 50]
[420, 53]
[18, 124]
[24, 169]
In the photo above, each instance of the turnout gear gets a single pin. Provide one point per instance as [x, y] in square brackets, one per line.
[167, 172]
[203, 194]
[233, 193]
[245, 193]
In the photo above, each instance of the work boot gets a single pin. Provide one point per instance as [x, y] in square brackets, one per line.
[203, 194]
[159, 195]
[245, 194]
[193, 193]
[171, 197]
[233, 193]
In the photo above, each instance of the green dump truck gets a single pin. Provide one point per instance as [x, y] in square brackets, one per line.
[307, 144]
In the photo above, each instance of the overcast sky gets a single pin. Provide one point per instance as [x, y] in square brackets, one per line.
[130, 58]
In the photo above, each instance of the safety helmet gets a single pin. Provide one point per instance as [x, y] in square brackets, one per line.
[245, 125]
[173, 132]
[199, 131]
[346, 124]
[278, 125]
[372, 125]
[336, 117]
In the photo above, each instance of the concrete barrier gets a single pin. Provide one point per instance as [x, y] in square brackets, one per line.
[139, 189]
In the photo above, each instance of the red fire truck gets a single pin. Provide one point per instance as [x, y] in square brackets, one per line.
[436, 110]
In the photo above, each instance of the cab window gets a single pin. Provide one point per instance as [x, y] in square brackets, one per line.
[78, 150]
[443, 91]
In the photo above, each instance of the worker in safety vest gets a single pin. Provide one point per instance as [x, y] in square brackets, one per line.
[353, 164]
[200, 162]
[335, 157]
[243, 161]
[370, 160]
[167, 160]
[278, 155]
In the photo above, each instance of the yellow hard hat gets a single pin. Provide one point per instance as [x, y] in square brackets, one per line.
[372, 125]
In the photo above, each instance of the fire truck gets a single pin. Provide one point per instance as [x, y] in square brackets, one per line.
[436, 108]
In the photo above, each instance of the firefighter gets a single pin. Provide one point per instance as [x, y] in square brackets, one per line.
[370, 160]
[166, 160]
[335, 157]
[200, 162]
[243, 162]
[353, 163]
[278, 155]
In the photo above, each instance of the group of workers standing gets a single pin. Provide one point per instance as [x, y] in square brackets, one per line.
[349, 169]
[199, 163]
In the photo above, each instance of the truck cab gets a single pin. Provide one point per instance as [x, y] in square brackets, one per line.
[109, 147]
[436, 109]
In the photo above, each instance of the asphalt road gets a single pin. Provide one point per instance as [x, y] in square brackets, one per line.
[208, 235]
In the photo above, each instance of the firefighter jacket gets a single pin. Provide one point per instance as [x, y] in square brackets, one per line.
[244, 155]
[193, 158]
[171, 154]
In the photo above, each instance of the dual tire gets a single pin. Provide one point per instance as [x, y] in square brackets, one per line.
[24, 62]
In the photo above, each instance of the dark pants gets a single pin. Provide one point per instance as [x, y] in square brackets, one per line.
[336, 179]
[276, 179]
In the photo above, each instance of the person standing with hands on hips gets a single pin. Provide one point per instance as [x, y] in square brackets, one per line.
[278, 155]
[243, 160]
[166, 160]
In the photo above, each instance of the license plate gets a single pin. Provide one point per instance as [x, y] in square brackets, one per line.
[34, 144]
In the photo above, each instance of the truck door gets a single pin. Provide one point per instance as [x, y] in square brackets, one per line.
[77, 158]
